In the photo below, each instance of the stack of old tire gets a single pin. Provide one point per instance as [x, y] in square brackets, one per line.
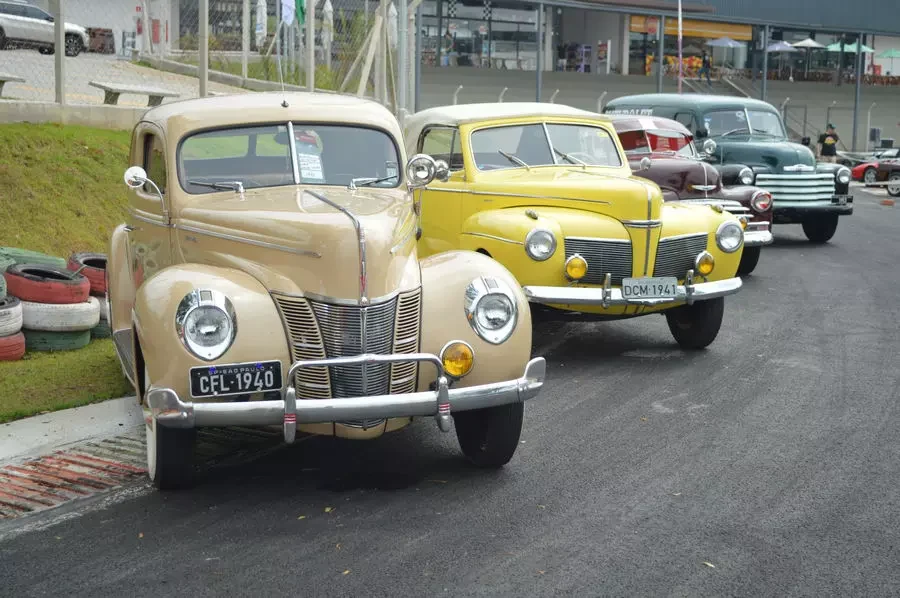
[93, 267]
[53, 298]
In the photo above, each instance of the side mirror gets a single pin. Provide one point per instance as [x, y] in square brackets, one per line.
[701, 134]
[135, 177]
[442, 172]
[421, 170]
[646, 163]
[805, 141]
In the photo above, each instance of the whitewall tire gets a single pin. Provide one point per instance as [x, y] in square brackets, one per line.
[170, 451]
[61, 317]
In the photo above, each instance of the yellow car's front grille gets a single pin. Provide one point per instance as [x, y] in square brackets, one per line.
[676, 255]
[603, 256]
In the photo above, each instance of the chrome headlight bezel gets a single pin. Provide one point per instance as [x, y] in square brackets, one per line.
[746, 176]
[709, 147]
[207, 299]
[754, 201]
[723, 229]
[490, 288]
[533, 235]
[843, 175]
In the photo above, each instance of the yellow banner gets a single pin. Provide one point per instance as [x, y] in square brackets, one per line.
[692, 28]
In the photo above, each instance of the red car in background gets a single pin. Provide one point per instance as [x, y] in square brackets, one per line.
[867, 172]
[662, 150]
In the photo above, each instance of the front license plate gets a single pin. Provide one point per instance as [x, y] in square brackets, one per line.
[238, 378]
[841, 200]
[649, 288]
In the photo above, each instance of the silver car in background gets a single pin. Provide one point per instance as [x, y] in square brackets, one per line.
[25, 25]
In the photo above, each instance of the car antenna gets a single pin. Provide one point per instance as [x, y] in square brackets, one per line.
[284, 103]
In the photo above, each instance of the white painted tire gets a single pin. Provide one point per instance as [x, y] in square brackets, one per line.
[104, 308]
[61, 317]
[10, 316]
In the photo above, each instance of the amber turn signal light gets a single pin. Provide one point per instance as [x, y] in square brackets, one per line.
[705, 263]
[576, 267]
[458, 358]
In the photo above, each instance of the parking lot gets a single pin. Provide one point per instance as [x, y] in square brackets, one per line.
[765, 465]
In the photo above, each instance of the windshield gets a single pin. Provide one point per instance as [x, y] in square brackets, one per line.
[641, 142]
[543, 144]
[260, 156]
[734, 122]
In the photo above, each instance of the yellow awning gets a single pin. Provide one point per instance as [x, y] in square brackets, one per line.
[695, 28]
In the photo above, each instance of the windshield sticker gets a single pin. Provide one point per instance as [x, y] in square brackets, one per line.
[391, 169]
[310, 167]
[740, 116]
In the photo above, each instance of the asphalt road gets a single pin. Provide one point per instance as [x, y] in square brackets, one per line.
[766, 465]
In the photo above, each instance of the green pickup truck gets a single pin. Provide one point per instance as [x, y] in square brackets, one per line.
[736, 133]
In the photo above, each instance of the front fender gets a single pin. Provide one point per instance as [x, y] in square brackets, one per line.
[260, 333]
[445, 277]
[501, 234]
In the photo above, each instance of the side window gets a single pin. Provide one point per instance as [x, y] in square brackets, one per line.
[33, 12]
[154, 163]
[443, 143]
[13, 10]
[687, 119]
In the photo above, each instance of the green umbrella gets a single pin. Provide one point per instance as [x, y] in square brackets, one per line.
[849, 48]
[891, 54]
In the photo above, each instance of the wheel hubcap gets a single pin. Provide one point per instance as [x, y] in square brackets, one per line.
[894, 186]
[150, 430]
[870, 176]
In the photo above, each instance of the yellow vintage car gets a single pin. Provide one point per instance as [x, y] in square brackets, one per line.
[267, 274]
[547, 191]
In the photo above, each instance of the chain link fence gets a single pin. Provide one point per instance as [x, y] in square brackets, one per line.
[156, 45]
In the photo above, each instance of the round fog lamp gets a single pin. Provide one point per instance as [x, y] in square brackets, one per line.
[576, 267]
[705, 263]
[457, 358]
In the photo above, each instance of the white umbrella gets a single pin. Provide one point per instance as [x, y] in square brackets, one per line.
[327, 30]
[808, 43]
[262, 23]
[724, 42]
[781, 47]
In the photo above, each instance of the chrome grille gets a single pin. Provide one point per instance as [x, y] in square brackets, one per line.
[406, 340]
[602, 256]
[342, 332]
[317, 330]
[676, 255]
[797, 187]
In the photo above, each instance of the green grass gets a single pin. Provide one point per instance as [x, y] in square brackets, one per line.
[61, 191]
[44, 382]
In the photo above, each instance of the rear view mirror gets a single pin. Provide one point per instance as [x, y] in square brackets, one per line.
[805, 141]
[701, 134]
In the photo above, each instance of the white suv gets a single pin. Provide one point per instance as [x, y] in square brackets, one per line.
[22, 24]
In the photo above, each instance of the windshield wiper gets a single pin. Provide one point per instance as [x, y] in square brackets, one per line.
[515, 160]
[566, 156]
[738, 130]
[236, 186]
[366, 181]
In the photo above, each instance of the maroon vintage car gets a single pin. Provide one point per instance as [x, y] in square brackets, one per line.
[662, 150]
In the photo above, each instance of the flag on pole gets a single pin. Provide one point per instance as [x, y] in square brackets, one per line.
[290, 8]
[301, 11]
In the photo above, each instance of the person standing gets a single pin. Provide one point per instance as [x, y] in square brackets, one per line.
[705, 67]
[828, 144]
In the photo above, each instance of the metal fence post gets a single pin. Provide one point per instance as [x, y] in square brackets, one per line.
[311, 45]
[660, 54]
[765, 67]
[859, 75]
[417, 104]
[402, 54]
[245, 38]
[59, 40]
[540, 52]
[203, 46]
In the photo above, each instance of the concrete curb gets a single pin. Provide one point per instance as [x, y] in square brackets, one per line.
[43, 434]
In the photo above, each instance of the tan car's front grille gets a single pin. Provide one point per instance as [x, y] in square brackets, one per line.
[318, 329]
[676, 255]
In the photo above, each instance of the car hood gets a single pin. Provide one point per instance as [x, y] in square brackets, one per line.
[594, 189]
[74, 27]
[772, 155]
[293, 242]
[679, 178]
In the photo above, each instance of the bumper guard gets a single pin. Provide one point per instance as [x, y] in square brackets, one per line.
[169, 410]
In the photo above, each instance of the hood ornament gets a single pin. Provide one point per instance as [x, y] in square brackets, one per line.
[531, 214]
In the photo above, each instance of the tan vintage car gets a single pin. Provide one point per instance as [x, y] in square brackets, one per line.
[268, 275]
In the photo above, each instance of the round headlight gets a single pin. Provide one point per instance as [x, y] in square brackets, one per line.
[206, 324]
[746, 176]
[843, 175]
[729, 236]
[709, 147]
[491, 310]
[540, 244]
[761, 201]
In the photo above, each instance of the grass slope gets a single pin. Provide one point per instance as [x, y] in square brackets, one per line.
[61, 191]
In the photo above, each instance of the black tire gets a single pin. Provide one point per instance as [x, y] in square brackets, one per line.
[2, 39]
[820, 229]
[170, 453]
[696, 326]
[46, 50]
[894, 191]
[869, 175]
[489, 437]
[74, 45]
[749, 259]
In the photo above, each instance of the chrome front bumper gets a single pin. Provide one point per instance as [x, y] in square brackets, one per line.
[169, 410]
[757, 234]
[606, 295]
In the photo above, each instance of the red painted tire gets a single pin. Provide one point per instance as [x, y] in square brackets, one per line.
[93, 266]
[46, 284]
[12, 348]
